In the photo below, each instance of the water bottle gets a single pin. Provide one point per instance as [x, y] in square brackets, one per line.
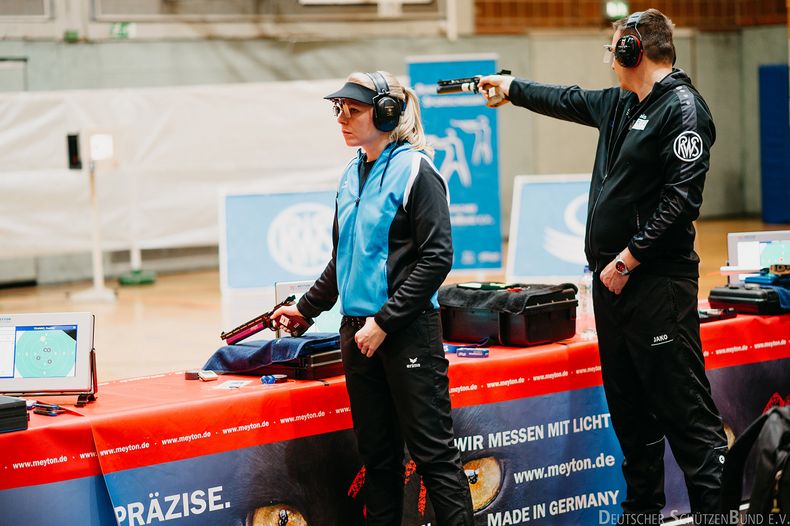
[585, 317]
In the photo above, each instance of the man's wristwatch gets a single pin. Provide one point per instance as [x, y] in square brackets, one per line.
[621, 267]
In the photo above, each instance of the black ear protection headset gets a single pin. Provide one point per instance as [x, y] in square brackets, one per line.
[386, 108]
[628, 50]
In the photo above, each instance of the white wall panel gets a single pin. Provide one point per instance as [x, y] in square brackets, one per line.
[176, 148]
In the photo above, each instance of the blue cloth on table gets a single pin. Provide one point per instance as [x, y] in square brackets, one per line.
[783, 293]
[251, 357]
[781, 284]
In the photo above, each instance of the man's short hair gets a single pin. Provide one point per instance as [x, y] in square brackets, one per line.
[655, 29]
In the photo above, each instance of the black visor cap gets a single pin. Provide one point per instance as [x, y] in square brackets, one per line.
[353, 91]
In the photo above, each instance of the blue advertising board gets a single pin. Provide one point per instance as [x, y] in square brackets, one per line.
[272, 237]
[547, 225]
[546, 460]
[551, 459]
[463, 132]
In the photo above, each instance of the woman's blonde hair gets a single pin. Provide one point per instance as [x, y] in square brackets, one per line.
[409, 127]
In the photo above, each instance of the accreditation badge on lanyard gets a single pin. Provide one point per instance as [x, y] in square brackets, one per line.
[640, 123]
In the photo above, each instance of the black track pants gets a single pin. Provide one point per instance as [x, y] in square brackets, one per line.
[401, 394]
[654, 377]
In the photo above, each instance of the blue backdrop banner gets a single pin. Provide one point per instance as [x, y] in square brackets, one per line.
[547, 228]
[267, 238]
[463, 130]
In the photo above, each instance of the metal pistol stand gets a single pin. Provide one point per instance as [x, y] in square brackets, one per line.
[84, 399]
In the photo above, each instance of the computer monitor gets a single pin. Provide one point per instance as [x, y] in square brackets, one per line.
[757, 250]
[328, 321]
[47, 353]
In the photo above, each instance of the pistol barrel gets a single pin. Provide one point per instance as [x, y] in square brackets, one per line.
[466, 85]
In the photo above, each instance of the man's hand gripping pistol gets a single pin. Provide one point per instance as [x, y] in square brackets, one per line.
[468, 85]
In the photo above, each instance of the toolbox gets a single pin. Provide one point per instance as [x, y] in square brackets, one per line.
[516, 314]
[745, 298]
[13, 414]
[312, 367]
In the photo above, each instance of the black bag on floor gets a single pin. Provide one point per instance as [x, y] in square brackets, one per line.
[517, 314]
[769, 435]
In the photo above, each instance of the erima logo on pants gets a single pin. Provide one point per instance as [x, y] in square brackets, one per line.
[412, 363]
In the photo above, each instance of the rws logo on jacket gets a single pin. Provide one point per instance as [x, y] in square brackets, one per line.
[688, 146]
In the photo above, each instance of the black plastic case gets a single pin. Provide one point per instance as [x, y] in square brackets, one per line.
[13, 414]
[522, 315]
[745, 299]
[709, 315]
[313, 367]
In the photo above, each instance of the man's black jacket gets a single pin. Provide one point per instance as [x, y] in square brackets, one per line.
[649, 171]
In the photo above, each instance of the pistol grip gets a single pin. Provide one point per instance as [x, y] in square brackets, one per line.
[294, 325]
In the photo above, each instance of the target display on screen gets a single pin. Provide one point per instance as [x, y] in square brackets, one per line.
[49, 351]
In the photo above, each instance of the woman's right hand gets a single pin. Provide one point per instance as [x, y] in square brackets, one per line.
[286, 310]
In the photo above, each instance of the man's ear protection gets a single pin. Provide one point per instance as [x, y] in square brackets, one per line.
[386, 108]
[628, 50]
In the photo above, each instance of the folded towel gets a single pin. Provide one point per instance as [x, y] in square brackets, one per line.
[783, 293]
[781, 284]
[251, 357]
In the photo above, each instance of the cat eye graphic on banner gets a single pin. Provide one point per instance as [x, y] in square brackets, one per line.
[547, 228]
[274, 237]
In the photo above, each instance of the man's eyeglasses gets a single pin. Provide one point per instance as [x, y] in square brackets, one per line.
[608, 53]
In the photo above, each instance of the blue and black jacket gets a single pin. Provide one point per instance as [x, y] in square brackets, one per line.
[392, 240]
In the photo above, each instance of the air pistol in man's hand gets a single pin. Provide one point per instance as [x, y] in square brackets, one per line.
[469, 85]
